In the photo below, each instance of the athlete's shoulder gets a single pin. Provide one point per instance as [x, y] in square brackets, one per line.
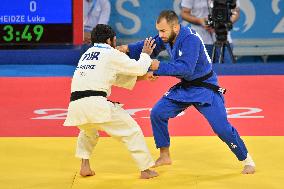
[117, 52]
[188, 31]
[191, 34]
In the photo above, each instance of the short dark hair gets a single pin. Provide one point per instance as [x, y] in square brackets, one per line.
[169, 15]
[101, 33]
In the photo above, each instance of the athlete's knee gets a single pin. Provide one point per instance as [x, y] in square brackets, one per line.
[133, 137]
[155, 113]
[134, 132]
[93, 135]
[158, 114]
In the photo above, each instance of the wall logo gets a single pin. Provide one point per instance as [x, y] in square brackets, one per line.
[248, 9]
[275, 7]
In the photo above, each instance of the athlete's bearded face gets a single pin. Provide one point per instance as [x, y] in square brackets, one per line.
[166, 31]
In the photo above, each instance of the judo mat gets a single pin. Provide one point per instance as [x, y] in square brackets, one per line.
[37, 152]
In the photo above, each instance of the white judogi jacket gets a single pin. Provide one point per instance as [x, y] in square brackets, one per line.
[99, 68]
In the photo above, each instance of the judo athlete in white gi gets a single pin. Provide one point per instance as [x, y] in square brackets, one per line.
[99, 68]
[189, 62]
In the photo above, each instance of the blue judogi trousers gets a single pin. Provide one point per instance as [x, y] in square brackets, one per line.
[215, 114]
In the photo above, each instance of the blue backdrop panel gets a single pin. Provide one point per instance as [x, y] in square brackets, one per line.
[135, 19]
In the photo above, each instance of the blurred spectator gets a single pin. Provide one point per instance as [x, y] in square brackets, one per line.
[196, 13]
[95, 12]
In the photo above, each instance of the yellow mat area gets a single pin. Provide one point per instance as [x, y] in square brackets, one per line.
[198, 162]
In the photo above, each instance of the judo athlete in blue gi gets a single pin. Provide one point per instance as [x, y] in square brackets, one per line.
[189, 61]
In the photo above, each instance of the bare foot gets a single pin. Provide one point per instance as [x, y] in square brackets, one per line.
[86, 169]
[163, 161]
[85, 172]
[248, 169]
[147, 174]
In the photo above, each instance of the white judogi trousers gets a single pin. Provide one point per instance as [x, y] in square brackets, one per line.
[123, 128]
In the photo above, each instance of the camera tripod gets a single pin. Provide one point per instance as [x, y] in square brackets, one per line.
[221, 45]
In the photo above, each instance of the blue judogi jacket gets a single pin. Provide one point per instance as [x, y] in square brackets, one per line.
[188, 60]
